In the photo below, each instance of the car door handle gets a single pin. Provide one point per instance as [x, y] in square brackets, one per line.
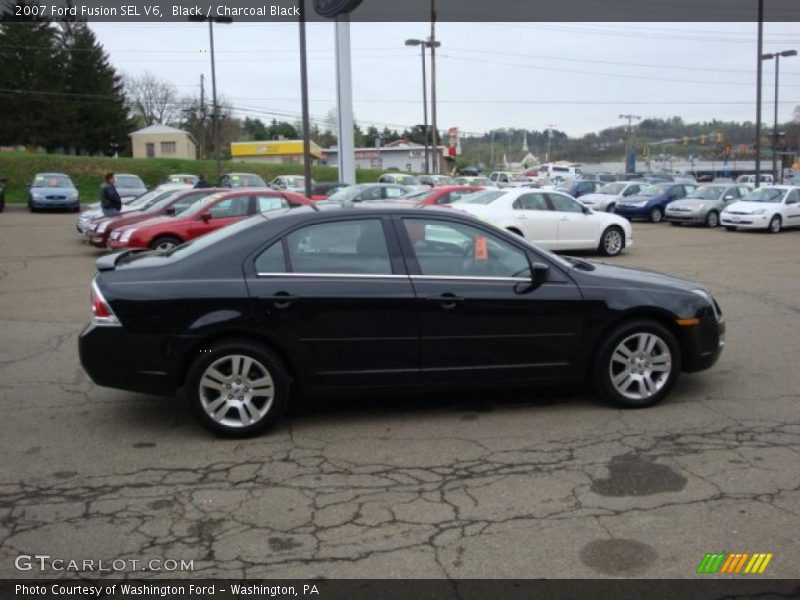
[447, 300]
[281, 300]
[521, 217]
[564, 219]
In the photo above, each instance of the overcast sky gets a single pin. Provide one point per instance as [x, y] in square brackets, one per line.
[576, 76]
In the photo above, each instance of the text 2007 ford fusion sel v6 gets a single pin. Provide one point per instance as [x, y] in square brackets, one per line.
[383, 298]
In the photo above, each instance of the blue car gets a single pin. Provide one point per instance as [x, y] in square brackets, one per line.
[581, 187]
[53, 190]
[651, 201]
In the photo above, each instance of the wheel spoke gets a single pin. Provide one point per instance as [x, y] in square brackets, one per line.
[649, 385]
[650, 344]
[214, 375]
[244, 416]
[620, 377]
[220, 412]
[622, 354]
[213, 406]
[209, 383]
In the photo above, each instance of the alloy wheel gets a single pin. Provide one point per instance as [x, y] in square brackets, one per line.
[712, 219]
[612, 242]
[640, 366]
[775, 224]
[236, 391]
[165, 246]
[656, 215]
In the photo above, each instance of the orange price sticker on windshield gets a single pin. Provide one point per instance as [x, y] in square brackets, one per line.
[481, 248]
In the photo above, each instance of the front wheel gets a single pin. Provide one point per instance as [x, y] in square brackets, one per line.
[237, 388]
[656, 215]
[612, 242]
[775, 224]
[638, 364]
[165, 243]
[712, 219]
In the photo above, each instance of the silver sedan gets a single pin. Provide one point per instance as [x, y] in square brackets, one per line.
[704, 205]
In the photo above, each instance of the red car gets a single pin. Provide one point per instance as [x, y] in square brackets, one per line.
[176, 203]
[210, 213]
[444, 194]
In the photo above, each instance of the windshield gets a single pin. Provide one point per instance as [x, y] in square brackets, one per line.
[52, 181]
[764, 195]
[297, 182]
[482, 197]
[128, 181]
[188, 179]
[612, 189]
[246, 180]
[419, 196]
[156, 198]
[708, 192]
[652, 190]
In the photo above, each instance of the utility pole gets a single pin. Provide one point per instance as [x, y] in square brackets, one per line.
[777, 56]
[304, 103]
[202, 116]
[549, 135]
[215, 108]
[433, 44]
[630, 160]
[758, 89]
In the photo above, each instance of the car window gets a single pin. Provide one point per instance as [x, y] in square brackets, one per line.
[342, 247]
[384, 179]
[634, 189]
[231, 207]
[531, 202]
[267, 203]
[272, 260]
[394, 192]
[564, 204]
[458, 250]
[370, 193]
[456, 195]
[793, 197]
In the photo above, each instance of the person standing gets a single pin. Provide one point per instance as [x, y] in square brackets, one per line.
[110, 202]
[202, 182]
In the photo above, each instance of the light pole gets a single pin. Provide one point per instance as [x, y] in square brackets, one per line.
[215, 107]
[422, 44]
[630, 166]
[777, 57]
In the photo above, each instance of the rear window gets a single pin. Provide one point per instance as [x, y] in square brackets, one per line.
[483, 197]
[128, 181]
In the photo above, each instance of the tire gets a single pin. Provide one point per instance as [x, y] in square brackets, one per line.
[621, 380]
[712, 219]
[775, 224]
[675, 223]
[729, 228]
[610, 207]
[612, 242]
[211, 383]
[165, 242]
[656, 215]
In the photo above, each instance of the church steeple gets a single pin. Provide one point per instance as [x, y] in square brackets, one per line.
[525, 142]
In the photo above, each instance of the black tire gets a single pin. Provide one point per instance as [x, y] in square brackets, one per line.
[656, 215]
[603, 368]
[218, 352]
[675, 223]
[729, 228]
[775, 224]
[609, 246]
[162, 241]
[712, 219]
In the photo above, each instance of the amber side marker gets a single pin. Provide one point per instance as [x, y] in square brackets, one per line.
[687, 322]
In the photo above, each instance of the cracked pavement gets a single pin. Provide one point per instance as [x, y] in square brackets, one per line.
[509, 484]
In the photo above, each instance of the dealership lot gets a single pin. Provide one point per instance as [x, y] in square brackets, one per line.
[505, 484]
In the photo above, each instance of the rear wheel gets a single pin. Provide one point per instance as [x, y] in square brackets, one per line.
[656, 215]
[775, 224]
[638, 364]
[237, 388]
[612, 241]
[712, 219]
[165, 243]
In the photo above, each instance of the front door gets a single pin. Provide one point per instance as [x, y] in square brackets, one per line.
[224, 212]
[479, 320]
[336, 294]
[792, 209]
[576, 229]
[535, 220]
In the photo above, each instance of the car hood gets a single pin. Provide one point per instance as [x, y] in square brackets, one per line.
[58, 191]
[750, 206]
[155, 221]
[636, 276]
[692, 203]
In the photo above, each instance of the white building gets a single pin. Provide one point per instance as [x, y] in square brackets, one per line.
[401, 155]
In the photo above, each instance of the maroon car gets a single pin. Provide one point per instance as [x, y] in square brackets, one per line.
[98, 232]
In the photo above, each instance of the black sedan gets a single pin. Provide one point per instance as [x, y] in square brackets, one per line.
[383, 298]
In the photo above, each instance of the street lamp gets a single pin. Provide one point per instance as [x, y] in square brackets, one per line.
[777, 57]
[215, 113]
[425, 44]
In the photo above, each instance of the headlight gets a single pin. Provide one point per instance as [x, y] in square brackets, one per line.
[704, 294]
[710, 299]
[126, 235]
[37, 196]
[101, 227]
[759, 211]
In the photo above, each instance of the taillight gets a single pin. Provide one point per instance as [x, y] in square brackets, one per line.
[101, 311]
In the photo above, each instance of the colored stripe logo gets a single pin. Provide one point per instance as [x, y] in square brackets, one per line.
[733, 563]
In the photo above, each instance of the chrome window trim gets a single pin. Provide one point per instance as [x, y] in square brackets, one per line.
[371, 276]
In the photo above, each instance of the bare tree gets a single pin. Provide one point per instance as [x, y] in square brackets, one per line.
[153, 101]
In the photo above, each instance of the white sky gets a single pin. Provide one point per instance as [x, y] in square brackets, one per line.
[577, 76]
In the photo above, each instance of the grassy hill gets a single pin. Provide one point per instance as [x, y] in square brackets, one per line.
[87, 172]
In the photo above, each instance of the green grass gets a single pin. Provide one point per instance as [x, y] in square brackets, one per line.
[87, 171]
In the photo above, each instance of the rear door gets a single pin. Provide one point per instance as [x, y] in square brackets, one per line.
[336, 294]
[535, 219]
[478, 319]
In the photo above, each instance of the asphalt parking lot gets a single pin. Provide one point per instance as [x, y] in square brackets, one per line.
[508, 485]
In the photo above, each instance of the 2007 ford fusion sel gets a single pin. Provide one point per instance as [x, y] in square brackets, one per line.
[383, 298]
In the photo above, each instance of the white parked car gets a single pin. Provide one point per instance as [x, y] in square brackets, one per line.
[772, 208]
[607, 196]
[551, 219]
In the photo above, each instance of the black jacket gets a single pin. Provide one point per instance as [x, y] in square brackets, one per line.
[109, 197]
[202, 183]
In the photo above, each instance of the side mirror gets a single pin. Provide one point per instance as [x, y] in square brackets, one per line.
[170, 211]
[728, 198]
[205, 217]
[540, 273]
[586, 209]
